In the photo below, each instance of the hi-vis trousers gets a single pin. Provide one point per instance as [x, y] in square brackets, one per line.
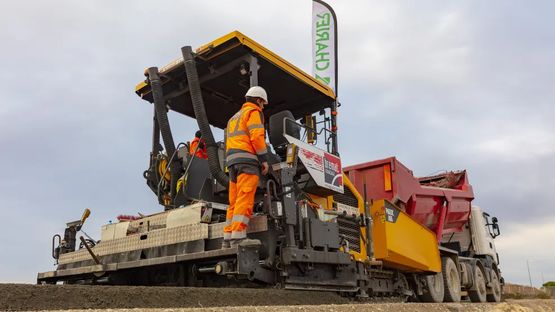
[243, 181]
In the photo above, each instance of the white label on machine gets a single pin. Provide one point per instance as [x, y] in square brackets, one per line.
[279, 209]
[349, 210]
[288, 191]
[323, 167]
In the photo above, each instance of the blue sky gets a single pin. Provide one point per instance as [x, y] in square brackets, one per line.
[440, 84]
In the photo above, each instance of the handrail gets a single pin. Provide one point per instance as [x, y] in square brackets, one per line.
[307, 128]
[167, 167]
[187, 169]
[54, 248]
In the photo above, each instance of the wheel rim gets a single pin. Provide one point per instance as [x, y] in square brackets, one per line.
[437, 283]
[496, 288]
[454, 279]
[481, 283]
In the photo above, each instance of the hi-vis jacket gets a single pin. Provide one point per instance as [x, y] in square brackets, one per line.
[201, 150]
[245, 136]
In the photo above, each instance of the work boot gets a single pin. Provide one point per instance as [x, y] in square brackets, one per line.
[226, 244]
[245, 242]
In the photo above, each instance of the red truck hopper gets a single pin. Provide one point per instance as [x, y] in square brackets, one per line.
[441, 202]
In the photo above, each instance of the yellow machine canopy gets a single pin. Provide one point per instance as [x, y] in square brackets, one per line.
[227, 67]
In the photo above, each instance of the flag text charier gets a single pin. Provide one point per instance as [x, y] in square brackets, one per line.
[323, 44]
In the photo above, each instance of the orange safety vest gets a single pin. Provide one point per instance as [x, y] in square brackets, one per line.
[245, 136]
[201, 152]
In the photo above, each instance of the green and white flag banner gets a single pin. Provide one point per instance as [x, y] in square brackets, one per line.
[323, 44]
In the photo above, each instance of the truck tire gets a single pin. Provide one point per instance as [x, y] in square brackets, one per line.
[433, 289]
[480, 293]
[494, 293]
[451, 280]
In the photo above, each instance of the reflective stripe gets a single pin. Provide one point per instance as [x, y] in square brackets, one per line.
[241, 219]
[232, 151]
[251, 127]
[227, 236]
[238, 121]
[262, 151]
[241, 155]
[237, 133]
[239, 234]
[232, 119]
[238, 116]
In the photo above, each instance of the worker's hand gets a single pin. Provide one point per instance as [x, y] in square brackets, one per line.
[265, 168]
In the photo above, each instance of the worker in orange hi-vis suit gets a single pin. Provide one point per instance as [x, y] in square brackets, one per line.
[246, 155]
[201, 150]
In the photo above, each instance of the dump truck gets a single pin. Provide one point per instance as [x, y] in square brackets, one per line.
[321, 227]
[443, 204]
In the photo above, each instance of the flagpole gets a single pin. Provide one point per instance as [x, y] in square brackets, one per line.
[529, 275]
[334, 147]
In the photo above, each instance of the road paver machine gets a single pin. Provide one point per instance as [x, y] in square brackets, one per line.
[318, 230]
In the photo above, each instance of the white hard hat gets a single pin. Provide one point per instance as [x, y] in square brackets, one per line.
[257, 91]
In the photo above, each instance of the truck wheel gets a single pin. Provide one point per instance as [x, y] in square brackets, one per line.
[433, 288]
[451, 280]
[478, 295]
[402, 288]
[495, 291]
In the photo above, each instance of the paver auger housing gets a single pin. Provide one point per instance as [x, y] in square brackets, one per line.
[316, 229]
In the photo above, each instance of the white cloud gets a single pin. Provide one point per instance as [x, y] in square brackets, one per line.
[395, 48]
[526, 144]
[532, 242]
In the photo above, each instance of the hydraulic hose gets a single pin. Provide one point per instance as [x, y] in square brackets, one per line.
[160, 110]
[163, 123]
[202, 119]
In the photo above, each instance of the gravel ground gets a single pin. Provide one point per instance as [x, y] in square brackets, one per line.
[512, 306]
[21, 297]
[51, 297]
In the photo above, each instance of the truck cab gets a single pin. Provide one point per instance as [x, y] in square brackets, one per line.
[477, 237]
[483, 231]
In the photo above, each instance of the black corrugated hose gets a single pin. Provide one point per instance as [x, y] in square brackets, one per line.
[202, 119]
[164, 125]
